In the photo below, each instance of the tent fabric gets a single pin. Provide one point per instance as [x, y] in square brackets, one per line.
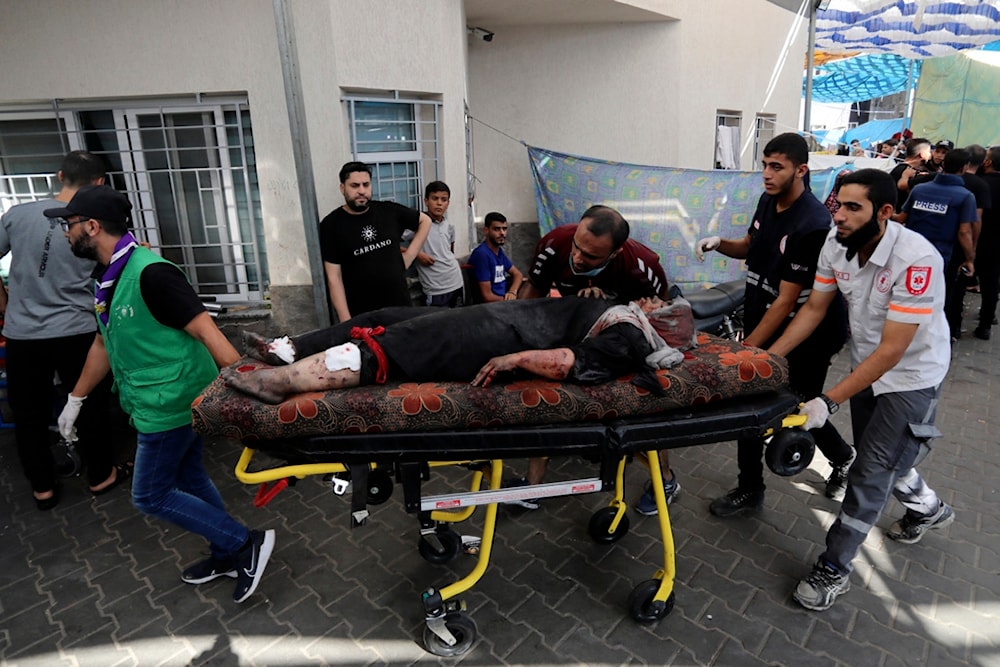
[862, 78]
[668, 209]
[874, 131]
[909, 28]
[957, 99]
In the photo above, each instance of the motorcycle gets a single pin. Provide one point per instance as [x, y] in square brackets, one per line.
[718, 310]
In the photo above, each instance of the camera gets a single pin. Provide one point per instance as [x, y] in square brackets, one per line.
[482, 33]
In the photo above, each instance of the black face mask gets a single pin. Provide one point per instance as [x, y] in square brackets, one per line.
[860, 238]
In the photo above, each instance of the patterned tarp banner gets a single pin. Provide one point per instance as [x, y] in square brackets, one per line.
[668, 209]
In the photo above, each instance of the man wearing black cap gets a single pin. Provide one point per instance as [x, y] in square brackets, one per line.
[49, 326]
[941, 148]
[164, 348]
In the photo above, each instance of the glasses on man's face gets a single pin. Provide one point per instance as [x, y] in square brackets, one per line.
[66, 224]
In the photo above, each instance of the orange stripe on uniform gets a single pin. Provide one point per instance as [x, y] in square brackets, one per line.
[825, 281]
[911, 311]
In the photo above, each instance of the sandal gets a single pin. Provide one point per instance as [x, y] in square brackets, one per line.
[45, 504]
[123, 472]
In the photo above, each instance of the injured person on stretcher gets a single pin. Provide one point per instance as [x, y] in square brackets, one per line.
[586, 341]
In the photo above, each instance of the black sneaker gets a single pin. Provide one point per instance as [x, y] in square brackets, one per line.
[251, 561]
[982, 333]
[821, 588]
[208, 570]
[913, 526]
[736, 502]
[836, 483]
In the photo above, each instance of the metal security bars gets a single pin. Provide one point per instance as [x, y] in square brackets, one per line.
[399, 138]
[187, 164]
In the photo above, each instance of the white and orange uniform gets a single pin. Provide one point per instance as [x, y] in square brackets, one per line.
[893, 420]
[903, 281]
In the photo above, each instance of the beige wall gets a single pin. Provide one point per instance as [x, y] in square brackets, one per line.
[642, 92]
[632, 92]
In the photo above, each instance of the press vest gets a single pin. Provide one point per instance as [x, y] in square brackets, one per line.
[158, 370]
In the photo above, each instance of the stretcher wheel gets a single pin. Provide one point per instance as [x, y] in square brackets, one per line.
[600, 525]
[643, 608]
[379, 487]
[461, 626]
[789, 452]
[68, 462]
[450, 546]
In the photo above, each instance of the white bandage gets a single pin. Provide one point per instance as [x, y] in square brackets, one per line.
[343, 356]
[283, 349]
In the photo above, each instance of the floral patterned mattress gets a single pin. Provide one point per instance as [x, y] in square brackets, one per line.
[717, 369]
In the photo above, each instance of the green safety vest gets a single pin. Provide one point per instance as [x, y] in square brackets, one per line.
[158, 370]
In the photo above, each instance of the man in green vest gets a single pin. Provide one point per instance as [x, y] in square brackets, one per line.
[163, 348]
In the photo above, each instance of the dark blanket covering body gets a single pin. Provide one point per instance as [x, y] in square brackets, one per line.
[452, 344]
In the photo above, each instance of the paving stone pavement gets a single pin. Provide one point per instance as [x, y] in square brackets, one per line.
[94, 582]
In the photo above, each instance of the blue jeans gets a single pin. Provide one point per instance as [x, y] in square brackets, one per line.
[170, 483]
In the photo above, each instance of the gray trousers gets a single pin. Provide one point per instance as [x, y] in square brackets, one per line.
[892, 433]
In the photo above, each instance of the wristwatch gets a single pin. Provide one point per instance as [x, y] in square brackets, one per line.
[831, 405]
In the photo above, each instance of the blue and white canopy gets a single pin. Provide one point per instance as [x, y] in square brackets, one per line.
[863, 77]
[909, 28]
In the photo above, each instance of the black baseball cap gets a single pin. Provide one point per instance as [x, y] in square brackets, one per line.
[945, 144]
[100, 202]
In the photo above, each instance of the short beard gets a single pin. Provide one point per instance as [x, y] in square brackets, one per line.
[357, 209]
[85, 248]
[860, 238]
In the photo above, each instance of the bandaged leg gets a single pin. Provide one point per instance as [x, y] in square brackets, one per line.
[274, 351]
[273, 385]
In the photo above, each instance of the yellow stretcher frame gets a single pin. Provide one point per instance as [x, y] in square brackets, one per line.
[449, 631]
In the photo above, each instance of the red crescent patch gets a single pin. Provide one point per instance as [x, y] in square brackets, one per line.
[918, 279]
[883, 281]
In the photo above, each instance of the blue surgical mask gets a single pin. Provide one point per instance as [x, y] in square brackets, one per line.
[588, 274]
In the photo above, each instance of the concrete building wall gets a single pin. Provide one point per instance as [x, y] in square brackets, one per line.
[110, 49]
[643, 91]
[632, 92]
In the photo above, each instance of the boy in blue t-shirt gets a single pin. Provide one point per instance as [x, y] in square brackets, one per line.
[490, 265]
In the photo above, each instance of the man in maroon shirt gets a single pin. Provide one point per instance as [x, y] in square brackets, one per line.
[596, 258]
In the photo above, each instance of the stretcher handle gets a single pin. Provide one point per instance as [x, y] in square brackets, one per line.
[265, 495]
[790, 421]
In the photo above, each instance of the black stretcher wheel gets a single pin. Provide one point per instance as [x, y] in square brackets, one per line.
[379, 487]
[641, 606]
[459, 624]
[451, 545]
[789, 452]
[68, 462]
[600, 525]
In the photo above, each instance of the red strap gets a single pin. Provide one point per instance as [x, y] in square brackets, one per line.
[264, 496]
[367, 334]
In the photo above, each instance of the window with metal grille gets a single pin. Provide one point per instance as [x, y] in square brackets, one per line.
[187, 165]
[398, 138]
[764, 131]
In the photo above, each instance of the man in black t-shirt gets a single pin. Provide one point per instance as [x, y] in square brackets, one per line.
[918, 151]
[782, 249]
[359, 242]
[988, 246]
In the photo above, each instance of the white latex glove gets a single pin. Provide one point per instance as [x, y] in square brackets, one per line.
[705, 245]
[67, 418]
[816, 412]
